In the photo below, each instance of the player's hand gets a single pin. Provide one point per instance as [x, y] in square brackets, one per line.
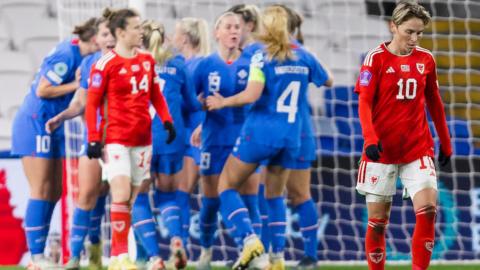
[215, 102]
[94, 150]
[168, 126]
[196, 138]
[373, 151]
[53, 123]
[443, 159]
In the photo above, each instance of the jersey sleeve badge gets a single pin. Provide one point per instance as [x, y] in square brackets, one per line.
[365, 78]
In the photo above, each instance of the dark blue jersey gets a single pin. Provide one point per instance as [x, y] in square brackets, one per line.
[213, 74]
[178, 90]
[86, 67]
[58, 68]
[278, 117]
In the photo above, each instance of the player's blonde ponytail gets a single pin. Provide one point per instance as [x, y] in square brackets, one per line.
[154, 39]
[275, 34]
[196, 29]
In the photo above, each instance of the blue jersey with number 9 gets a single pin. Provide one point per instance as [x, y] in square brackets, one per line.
[276, 119]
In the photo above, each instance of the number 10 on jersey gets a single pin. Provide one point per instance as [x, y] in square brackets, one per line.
[410, 89]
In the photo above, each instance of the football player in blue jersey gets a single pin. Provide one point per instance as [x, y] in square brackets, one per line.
[191, 39]
[278, 82]
[90, 206]
[298, 185]
[226, 72]
[167, 159]
[50, 93]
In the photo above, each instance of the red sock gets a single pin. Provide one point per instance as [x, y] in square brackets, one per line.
[120, 223]
[375, 243]
[423, 237]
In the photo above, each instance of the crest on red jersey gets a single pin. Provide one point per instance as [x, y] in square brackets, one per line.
[420, 68]
[375, 257]
[146, 65]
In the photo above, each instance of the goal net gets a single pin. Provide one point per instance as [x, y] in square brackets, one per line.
[340, 32]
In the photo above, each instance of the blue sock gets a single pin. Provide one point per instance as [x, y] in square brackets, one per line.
[141, 253]
[48, 218]
[277, 222]
[96, 220]
[308, 220]
[233, 232]
[208, 221]
[80, 225]
[251, 202]
[263, 207]
[233, 209]
[144, 225]
[169, 211]
[36, 227]
[183, 202]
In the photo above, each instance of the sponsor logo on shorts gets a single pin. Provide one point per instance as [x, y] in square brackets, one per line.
[375, 257]
[429, 245]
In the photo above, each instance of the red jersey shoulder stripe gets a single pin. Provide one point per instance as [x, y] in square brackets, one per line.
[102, 62]
[420, 49]
[369, 58]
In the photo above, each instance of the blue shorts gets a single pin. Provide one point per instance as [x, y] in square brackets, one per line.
[194, 153]
[251, 152]
[213, 158]
[29, 137]
[167, 163]
[306, 154]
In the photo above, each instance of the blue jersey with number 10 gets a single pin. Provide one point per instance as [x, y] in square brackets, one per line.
[277, 118]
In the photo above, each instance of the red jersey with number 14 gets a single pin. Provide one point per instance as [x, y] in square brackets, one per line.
[394, 91]
[125, 87]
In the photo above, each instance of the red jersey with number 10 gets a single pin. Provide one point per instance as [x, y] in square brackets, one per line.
[394, 90]
[125, 87]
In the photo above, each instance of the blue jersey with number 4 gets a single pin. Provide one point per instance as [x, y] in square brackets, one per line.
[213, 74]
[276, 118]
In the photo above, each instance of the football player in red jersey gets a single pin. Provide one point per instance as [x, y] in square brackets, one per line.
[397, 81]
[123, 84]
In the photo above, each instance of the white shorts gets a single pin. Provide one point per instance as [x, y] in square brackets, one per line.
[380, 179]
[133, 162]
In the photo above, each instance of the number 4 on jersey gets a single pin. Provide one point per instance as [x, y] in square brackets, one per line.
[292, 90]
